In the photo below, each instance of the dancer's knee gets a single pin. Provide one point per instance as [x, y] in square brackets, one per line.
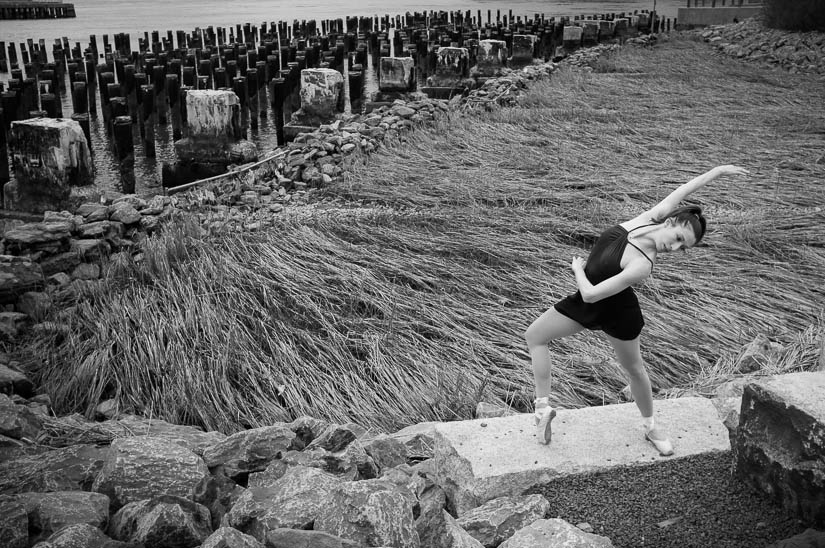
[533, 337]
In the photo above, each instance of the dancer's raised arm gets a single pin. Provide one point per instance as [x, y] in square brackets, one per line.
[671, 202]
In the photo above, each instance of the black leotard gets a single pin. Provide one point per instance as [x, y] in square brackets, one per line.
[618, 315]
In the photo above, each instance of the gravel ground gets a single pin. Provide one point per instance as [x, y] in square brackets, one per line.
[687, 502]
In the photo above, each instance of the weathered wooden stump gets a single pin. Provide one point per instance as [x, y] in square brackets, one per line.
[51, 156]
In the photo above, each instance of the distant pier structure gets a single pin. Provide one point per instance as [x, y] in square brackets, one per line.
[17, 9]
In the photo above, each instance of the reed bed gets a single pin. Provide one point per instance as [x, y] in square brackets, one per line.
[402, 293]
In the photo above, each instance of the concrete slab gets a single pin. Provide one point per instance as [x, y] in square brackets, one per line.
[479, 460]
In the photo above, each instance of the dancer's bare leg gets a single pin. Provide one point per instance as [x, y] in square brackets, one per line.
[630, 357]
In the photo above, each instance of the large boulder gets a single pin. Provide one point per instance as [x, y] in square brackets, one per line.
[191, 437]
[419, 439]
[556, 533]
[293, 501]
[497, 520]
[386, 451]
[143, 467]
[781, 440]
[70, 468]
[249, 451]
[372, 512]
[48, 512]
[218, 494]
[14, 523]
[166, 521]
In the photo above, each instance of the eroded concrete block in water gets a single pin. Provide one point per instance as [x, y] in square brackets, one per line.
[523, 45]
[320, 93]
[213, 114]
[50, 156]
[492, 57]
[396, 73]
[572, 37]
[607, 29]
[590, 32]
[780, 442]
[452, 67]
[214, 133]
[483, 459]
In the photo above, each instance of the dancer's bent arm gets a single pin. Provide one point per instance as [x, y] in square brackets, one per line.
[634, 272]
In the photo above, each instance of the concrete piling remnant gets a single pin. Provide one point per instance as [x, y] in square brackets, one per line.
[214, 137]
[523, 49]
[572, 38]
[452, 71]
[396, 74]
[320, 94]
[50, 157]
[492, 57]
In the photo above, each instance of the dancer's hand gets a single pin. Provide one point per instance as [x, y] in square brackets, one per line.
[732, 170]
[578, 263]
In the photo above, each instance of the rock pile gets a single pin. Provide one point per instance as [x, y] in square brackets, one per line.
[132, 482]
[796, 52]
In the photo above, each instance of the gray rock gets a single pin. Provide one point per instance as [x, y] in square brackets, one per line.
[35, 304]
[334, 438]
[65, 469]
[93, 212]
[386, 452]
[12, 324]
[419, 439]
[351, 463]
[192, 437]
[227, 537]
[497, 520]
[14, 523]
[781, 439]
[62, 262]
[372, 512]
[90, 249]
[100, 229]
[17, 421]
[48, 512]
[142, 467]
[556, 533]
[123, 212]
[249, 451]
[17, 276]
[758, 354]
[293, 501]
[440, 530]
[295, 538]
[14, 382]
[35, 233]
[165, 521]
[218, 494]
[86, 271]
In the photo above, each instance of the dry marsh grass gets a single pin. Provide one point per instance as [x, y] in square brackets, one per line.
[402, 295]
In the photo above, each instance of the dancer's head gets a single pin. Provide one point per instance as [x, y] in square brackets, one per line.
[682, 229]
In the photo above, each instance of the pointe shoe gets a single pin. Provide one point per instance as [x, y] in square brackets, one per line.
[662, 444]
[544, 417]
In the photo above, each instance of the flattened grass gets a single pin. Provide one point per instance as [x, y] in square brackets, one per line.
[402, 295]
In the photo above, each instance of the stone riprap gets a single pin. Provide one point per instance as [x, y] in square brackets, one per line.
[751, 41]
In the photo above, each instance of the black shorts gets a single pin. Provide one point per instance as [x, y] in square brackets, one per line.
[618, 316]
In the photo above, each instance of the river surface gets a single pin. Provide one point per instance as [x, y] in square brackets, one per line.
[100, 17]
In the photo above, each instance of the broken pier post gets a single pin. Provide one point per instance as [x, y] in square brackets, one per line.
[320, 95]
[51, 157]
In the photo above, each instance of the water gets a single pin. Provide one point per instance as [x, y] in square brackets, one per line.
[99, 17]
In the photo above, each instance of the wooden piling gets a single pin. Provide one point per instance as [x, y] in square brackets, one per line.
[252, 96]
[159, 83]
[4, 155]
[278, 94]
[148, 104]
[125, 150]
[80, 98]
[173, 93]
[48, 103]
